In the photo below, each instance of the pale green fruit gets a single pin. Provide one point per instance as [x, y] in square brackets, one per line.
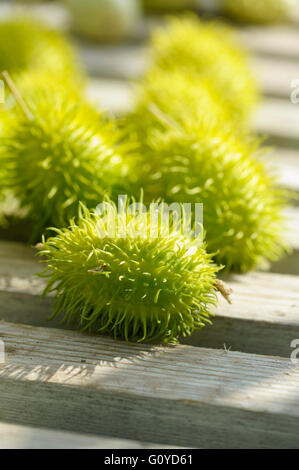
[261, 11]
[104, 20]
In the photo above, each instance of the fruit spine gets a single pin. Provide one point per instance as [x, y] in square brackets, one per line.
[134, 287]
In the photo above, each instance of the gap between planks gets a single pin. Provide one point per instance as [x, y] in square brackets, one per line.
[179, 395]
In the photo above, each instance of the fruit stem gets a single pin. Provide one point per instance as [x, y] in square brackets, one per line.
[224, 290]
[17, 95]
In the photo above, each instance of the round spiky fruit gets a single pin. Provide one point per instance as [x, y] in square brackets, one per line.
[146, 284]
[242, 205]
[27, 45]
[263, 11]
[186, 100]
[66, 153]
[207, 50]
[104, 20]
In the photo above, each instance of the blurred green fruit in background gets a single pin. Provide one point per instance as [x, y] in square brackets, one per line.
[68, 152]
[28, 45]
[209, 51]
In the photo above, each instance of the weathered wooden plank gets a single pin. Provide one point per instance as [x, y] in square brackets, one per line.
[115, 96]
[262, 303]
[180, 395]
[14, 436]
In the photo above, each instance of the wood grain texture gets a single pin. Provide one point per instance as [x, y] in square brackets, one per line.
[180, 395]
[14, 436]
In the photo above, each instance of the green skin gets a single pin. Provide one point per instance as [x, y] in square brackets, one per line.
[134, 288]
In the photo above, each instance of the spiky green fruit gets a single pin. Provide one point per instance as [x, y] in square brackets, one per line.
[66, 153]
[242, 204]
[27, 45]
[104, 20]
[150, 283]
[262, 11]
[209, 51]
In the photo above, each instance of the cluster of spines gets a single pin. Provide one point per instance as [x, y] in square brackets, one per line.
[66, 153]
[134, 287]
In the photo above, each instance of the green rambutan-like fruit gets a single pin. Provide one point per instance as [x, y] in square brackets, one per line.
[262, 11]
[187, 100]
[242, 205]
[27, 45]
[66, 153]
[150, 283]
[209, 51]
